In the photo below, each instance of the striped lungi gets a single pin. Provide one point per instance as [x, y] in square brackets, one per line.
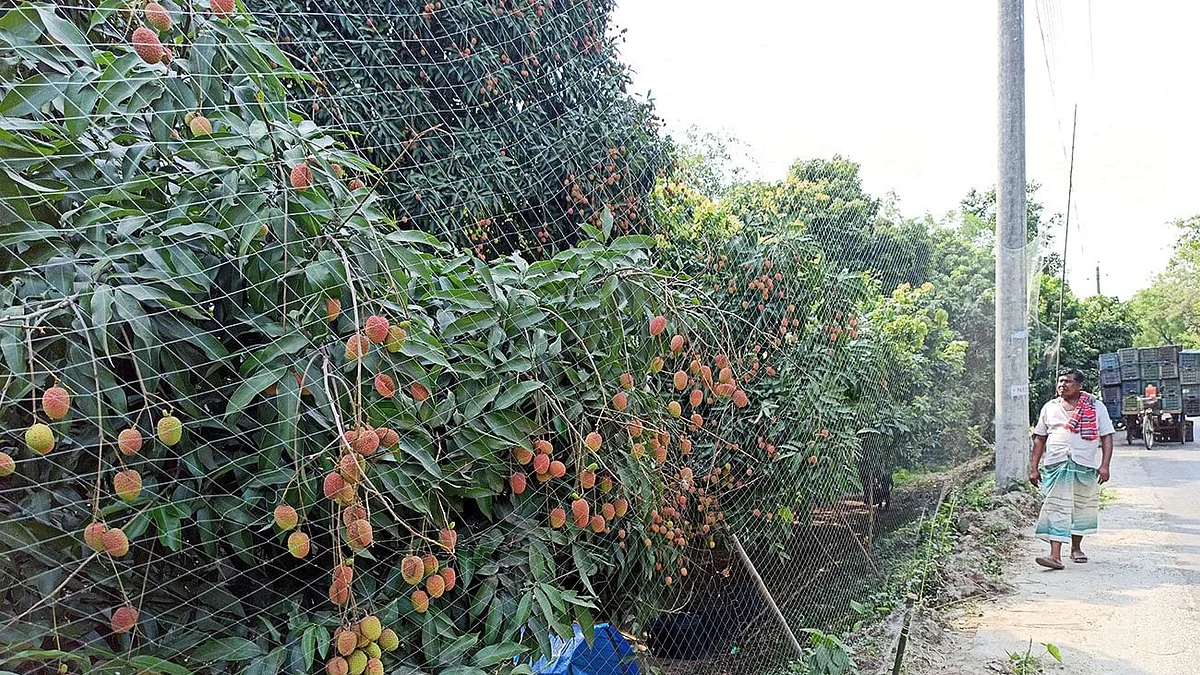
[1070, 501]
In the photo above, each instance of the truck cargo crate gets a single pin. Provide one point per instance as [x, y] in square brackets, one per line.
[1189, 434]
[1130, 371]
[1131, 388]
[1110, 362]
[1147, 354]
[1168, 370]
[1130, 405]
[1111, 394]
[1149, 371]
[1108, 377]
[1189, 360]
[1191, 407]
[1172, 404]
[1128, 356]
[1168, 354]
[1169, 388]
[1114, 410]
[1189, 376]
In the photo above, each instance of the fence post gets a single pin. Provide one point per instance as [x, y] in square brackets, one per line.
[766, 596]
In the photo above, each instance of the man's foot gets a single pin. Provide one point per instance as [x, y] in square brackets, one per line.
[1078, 556]
[1051, 563]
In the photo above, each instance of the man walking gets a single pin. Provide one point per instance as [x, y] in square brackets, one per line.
[1072, 448]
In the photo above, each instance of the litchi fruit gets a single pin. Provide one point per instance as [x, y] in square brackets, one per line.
[301, 177]
[412, 569]
[39, 438]
[597, 523]
[123, 619]
[384, 385]
[418, 392]
[387, 437]
[337, 666]
[356, 347]
[147, 45]
[606, 485]
[677, 344]
[541, 464]
[286, 517]
[740, 399]
[522, 455]
[435, 586]
[358, 534]
[7, 464]
[374, 667]
[200, 126]
[116, 544]
[420, 601]
[129, 441]
[376, 329]
[93, 536]
[346, 642]
[592, 441]
[620, 401]
[557, 469]
[626, 380]
[608, 511]
[170, 430]
[696, 398]
[558, 517]
[517, 482]
[656, 365]
[448, 538]
[657, 325]
[543, 447]
[587, 479]
[680, 380]
[339, 594]
[56, 403]
[333, 308]
[388, 640]
[580, 512]
[221, 8]
[674, 409]
[430, 562]
[370, 628]
[395, 339]
[298, 544]
[620, 507]
[157, 16]
[127, 484]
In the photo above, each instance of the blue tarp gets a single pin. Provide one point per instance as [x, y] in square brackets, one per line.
[610, 654]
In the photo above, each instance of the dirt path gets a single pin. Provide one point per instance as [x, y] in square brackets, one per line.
[1133, 608]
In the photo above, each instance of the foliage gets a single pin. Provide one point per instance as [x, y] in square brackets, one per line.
[155, 270]
[498, 126]
[1168, 311]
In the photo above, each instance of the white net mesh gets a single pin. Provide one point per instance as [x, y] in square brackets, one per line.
[366, 337]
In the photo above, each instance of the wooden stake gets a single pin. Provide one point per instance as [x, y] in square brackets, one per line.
[766, 596]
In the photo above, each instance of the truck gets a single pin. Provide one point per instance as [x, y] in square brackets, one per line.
[1129, 376]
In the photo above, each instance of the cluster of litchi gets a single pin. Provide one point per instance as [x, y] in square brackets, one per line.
[360, 646]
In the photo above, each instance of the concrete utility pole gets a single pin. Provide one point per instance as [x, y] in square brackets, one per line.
[1012, 315]
[1098, 280]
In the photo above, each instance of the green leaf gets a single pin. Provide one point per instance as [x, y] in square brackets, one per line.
[454, 651]
[226, 649]
[253, 386]
[516, 393]
[495, 654]
[586, 624]
[1053, 650]
[65, 33]
[471, 323]
[157, 665]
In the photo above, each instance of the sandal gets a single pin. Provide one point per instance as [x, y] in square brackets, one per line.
[1050, 563]
[1078, 557]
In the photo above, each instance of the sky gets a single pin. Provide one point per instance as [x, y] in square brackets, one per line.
[909, 91]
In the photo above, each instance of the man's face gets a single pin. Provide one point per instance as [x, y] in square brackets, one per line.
[1068, 386]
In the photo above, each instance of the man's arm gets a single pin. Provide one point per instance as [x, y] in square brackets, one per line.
[1106, 450]
[1039, 447]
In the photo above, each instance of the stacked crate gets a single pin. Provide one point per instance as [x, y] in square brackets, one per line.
[1125, 375]
[1189, 378]
[1110, 383]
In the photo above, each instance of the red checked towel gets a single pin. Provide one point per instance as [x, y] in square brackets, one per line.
[1083, 422]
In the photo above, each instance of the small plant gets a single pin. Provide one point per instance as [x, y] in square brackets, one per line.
[1028, 663]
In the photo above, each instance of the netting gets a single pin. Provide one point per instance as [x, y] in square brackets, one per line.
[398, 337]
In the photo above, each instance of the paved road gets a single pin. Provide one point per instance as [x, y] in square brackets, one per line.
[1134, 608]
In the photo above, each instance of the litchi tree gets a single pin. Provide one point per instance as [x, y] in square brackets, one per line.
[252, 424]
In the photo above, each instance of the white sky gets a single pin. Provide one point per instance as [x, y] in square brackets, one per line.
[908, 90]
